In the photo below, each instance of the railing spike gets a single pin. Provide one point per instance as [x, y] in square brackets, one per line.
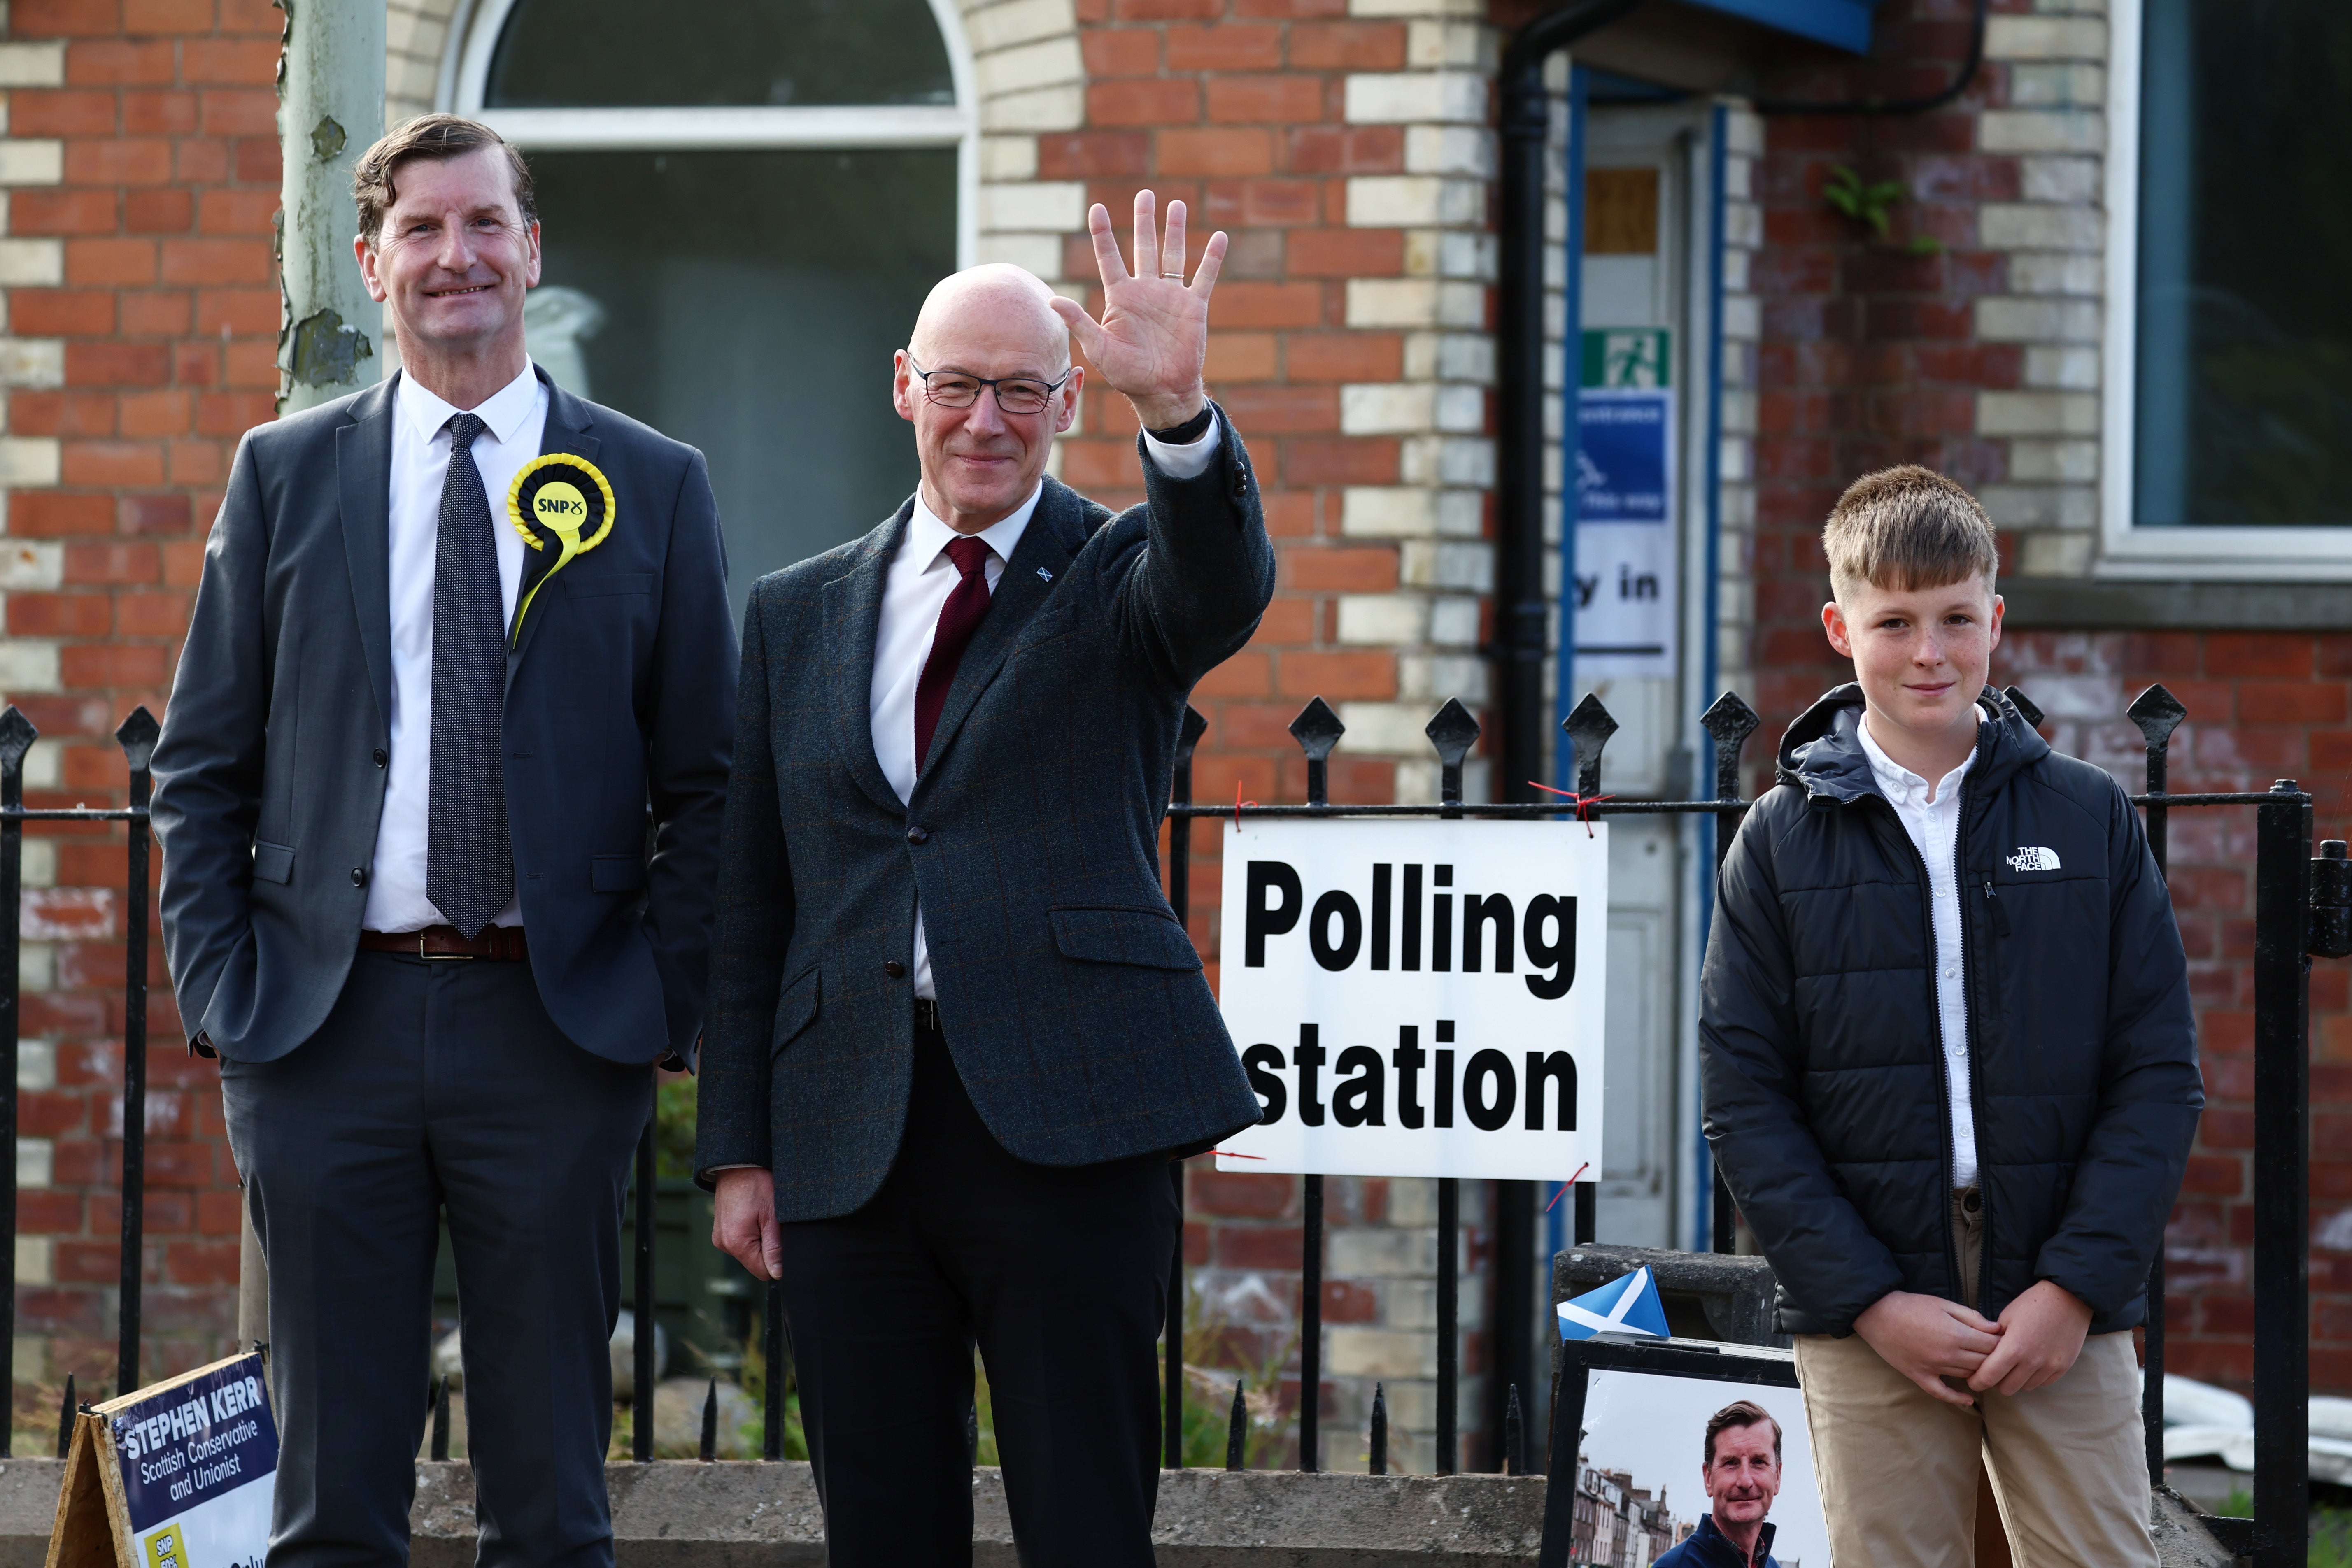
[1729, 721]
[1189, 736]
[1317, 730]
[2026, 706]
[439, 1399]
[1452, 732]
[16, 737]
[1237, 1432]
[2158, 713]
[1379, 1459]
[1515, 1455]
[709, 1449]
[1589, 726]
[65, 1410]
[137, 734]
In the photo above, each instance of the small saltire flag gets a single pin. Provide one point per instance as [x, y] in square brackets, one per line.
[1629, 1306]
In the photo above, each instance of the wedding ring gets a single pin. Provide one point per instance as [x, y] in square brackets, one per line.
[1178, 276]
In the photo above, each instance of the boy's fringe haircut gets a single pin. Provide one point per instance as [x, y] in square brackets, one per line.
[1907, 528]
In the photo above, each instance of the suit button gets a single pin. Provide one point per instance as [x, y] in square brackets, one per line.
[380, 756]
[895, 969]
[359, 876]
[916, 835]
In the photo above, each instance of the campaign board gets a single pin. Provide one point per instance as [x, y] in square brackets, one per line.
[179, 1474]
[1414, 997]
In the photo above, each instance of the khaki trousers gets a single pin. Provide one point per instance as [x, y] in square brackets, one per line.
[1899, 1470]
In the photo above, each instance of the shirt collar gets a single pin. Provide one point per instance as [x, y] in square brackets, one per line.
[927, 537]
[504, 411]
[1896, 779]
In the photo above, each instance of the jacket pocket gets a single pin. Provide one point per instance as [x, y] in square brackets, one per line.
[796, 1009]
[272, 862]
[600, 584]
[616, 873]
[1109, 935]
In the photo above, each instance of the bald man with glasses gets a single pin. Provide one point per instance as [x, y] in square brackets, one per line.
[956, 1033]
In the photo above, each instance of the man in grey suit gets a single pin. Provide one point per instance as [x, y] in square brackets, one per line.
[955, 1032]
[440, 809]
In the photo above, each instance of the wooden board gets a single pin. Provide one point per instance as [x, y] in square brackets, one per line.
[93, 1521]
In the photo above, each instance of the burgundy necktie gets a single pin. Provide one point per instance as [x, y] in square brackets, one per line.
[958, 619]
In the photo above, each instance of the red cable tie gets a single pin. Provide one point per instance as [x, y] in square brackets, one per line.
[1238, 804]
[1234, 1155]
[1580, 1170]
[1583, 803]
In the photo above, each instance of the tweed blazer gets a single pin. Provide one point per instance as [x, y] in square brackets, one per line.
[1072, 1000]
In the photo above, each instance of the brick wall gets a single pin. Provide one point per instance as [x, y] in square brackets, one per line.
[1978, 357]
[141, 163]
[1345, 148]
[1347, 145]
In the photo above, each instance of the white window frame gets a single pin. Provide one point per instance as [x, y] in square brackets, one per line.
[811, 128]
[2210, 551]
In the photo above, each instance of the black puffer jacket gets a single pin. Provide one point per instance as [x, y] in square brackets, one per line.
[1820, 1044]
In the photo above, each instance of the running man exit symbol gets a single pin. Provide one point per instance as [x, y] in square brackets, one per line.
[1627, 356]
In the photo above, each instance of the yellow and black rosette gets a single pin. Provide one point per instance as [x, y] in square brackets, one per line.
[563, 500]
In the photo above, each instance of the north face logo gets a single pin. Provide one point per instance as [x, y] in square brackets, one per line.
[2034, 858]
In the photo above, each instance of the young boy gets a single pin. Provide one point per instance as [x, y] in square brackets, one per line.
[1949, 1069]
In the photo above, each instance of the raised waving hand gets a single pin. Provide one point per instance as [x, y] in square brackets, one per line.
[1153, 338]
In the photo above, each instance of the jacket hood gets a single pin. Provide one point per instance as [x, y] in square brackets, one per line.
[1821, 752]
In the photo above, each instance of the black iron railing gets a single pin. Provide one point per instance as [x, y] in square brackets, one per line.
[2303, 907]
[137, 737]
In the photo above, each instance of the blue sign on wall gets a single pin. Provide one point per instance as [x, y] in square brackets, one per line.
[1623, 459]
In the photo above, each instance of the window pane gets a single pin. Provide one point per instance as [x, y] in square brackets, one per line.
[2244, 394]
[748, 303]
[600, 53]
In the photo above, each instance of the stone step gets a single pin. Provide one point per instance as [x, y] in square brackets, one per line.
[739, 1514]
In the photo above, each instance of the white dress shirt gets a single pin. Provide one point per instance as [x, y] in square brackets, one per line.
[1931, 815]
[922, 575]
[514, 418]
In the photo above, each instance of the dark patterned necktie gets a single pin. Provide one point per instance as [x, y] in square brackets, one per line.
[469, 858]
[959, 617]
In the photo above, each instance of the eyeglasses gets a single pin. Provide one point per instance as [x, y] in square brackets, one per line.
[1015, 394]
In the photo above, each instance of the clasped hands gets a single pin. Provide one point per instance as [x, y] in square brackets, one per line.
[1928, 1339]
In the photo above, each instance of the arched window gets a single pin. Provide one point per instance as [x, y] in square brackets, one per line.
[743, 203]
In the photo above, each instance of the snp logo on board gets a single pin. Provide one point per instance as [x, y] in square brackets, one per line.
[1417, 998]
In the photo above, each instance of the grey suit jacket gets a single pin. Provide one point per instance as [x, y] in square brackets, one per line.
[269, 775]
[1072, 1000]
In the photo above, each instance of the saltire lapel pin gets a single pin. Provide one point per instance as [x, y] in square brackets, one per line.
[562, 499]
[1044, 576]
[1629, 1308]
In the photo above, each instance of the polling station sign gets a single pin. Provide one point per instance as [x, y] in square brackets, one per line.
[178, 1475]
[1417, 999]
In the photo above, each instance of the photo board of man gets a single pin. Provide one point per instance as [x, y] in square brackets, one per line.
[1741, 1475]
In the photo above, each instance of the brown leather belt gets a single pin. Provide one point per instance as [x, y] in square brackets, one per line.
[504, 943]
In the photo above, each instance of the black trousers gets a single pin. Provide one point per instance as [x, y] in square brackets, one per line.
[1060, 1275]
[433, 1086]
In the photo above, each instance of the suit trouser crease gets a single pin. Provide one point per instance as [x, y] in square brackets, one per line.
[439, 1086]
[1058, 1275]
[1897, 1470]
